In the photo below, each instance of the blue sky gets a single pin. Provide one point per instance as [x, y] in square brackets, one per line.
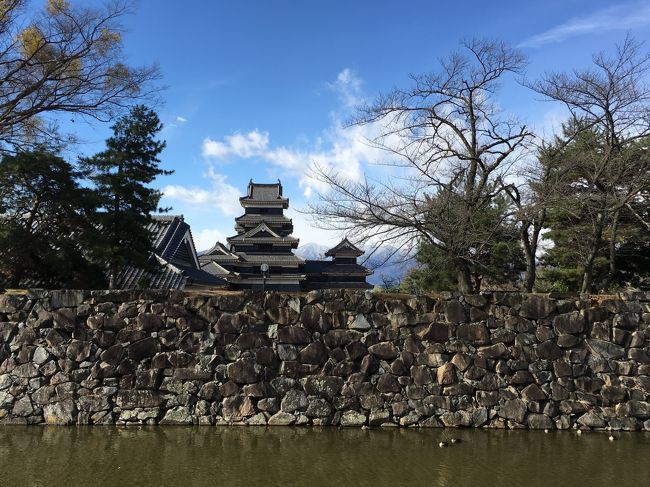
[260, 89]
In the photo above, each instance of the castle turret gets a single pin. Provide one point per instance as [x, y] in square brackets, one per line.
[342, 271]
[264, 237]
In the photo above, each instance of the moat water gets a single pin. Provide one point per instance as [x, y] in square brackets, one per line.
[241, 456]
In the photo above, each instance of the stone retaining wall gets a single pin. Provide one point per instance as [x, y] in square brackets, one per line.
[500, 360]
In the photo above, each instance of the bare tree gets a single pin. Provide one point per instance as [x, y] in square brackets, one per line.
[530, 213]
[451, 147]
[65, 59]
[610, 99]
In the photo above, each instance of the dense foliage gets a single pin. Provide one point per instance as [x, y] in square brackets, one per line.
[121, 175]
[45, 223]
[75, 227]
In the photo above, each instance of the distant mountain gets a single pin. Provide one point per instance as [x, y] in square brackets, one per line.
[386, 266]
[312, 251]
[389, 266]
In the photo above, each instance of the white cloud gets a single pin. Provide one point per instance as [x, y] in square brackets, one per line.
[238, 145]
[222, 195]
[181, 119]
[550, 123]
[618, 17]
[348, 86]
[341, 148]
[304, 228]
[207, 237]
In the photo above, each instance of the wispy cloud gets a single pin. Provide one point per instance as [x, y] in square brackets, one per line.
[339, 147]
[618, 17]
[221, 194]
[181, 119]
[238, 145]
[348, 87]
[204, 239]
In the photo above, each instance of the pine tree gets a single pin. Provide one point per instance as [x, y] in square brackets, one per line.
[45, 223]
[592, 221]
[121, 175]
[495, 262]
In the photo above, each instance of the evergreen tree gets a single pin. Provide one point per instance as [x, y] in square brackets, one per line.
[610, 101]
[495, 262]
[44, 223]
[590, 199]
[121, 175]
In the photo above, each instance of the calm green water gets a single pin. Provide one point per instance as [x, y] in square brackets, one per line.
[98, 456]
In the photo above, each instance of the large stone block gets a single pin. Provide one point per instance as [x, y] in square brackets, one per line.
[314, 353]
[313, 319]
[384, 350]
[294, 400]
[242, 372]
[498, 350]
[607, 350]
[341, 338]
[11, 303]
[592, 419]
[514, 409]
[388, 383]
[281, 419]
[145, 348]
[538, 421]
[548, 350]
[78, 350]
[446, 374]
[536, 307]
[353, 418]
[150, 322]
[62, 412]
[569, 323]
[360, 323]
[229, 323]
[293, 335]
[177, 415]
[323, 386]
[236, 408]
[455, 312]
[132, 398]
[435, 332]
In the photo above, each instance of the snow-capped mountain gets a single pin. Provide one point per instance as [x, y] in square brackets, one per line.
[312, 251]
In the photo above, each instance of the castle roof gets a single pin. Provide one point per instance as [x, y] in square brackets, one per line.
[260, 194]
[344, 248]
[176, 263]
[261, 234]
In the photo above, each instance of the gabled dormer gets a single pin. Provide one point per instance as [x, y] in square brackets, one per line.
[219, 249]
[345, 252]
[262, 234]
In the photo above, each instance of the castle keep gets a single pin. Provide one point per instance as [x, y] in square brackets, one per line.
[260, 256]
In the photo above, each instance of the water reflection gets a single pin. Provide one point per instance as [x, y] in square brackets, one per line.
[251, 456]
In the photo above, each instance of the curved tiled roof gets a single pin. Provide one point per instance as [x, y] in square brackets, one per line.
[344, 247]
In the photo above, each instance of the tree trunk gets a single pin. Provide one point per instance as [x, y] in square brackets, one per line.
[596, 239]
[530, 241]
[531, 272]
[612, 250]
[529, 253]
[111, 277]
[478, 279]
[464, 278]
